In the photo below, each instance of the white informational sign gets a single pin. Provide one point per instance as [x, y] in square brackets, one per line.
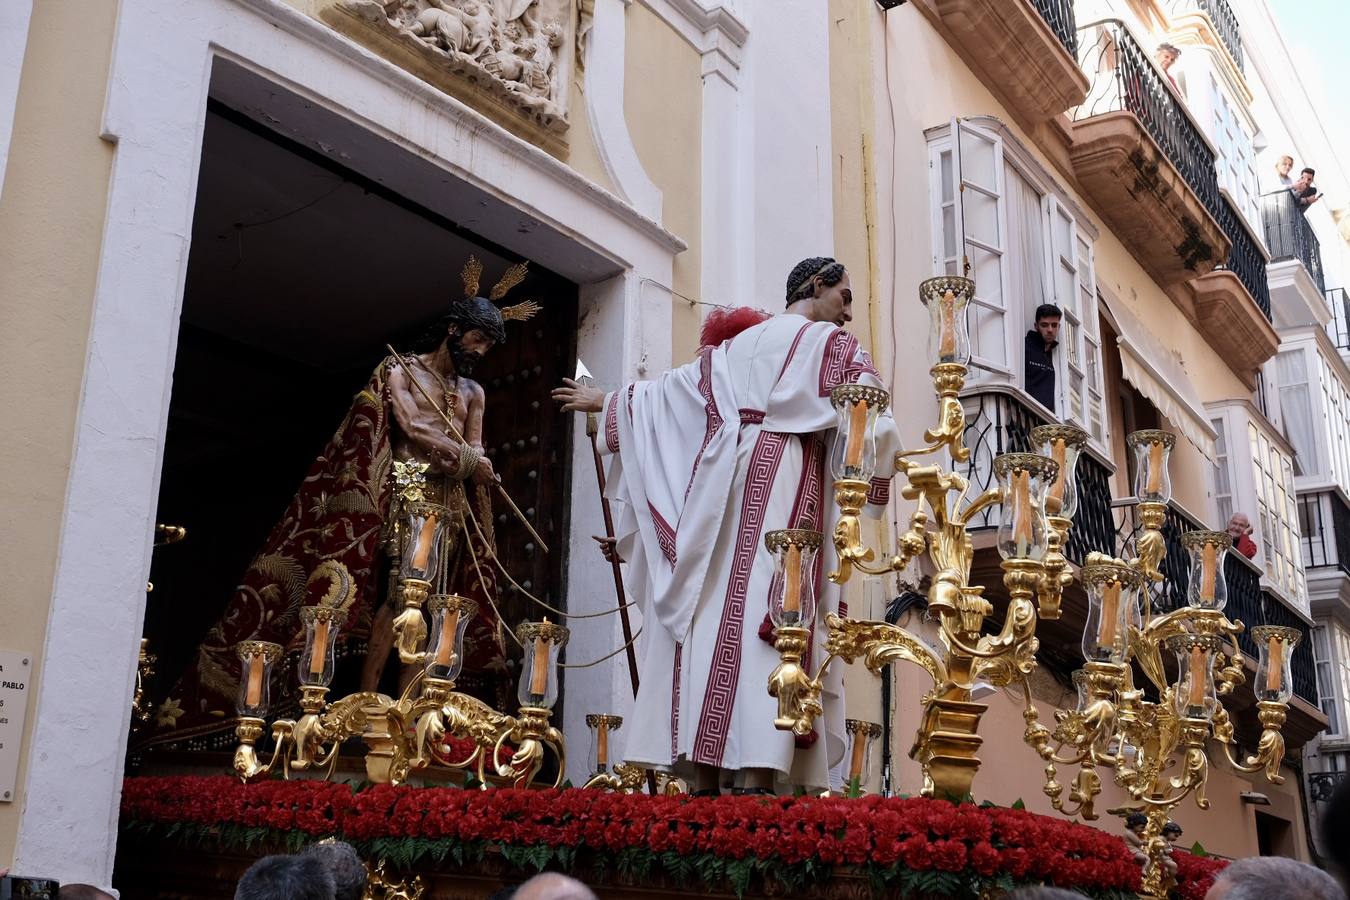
[15, 669]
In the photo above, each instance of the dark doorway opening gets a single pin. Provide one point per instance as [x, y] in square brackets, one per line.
[300, 271]
[1274, 835]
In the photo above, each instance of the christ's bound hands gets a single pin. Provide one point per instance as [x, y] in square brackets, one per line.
[578, 398]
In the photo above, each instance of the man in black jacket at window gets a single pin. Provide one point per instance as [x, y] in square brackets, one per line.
[1040, 366]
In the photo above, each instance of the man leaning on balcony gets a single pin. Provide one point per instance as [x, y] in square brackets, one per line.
[1040, 347]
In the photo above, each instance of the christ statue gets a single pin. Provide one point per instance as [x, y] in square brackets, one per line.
[414, 432]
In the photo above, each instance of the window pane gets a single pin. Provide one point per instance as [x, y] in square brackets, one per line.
[980, 212]
[978, 160]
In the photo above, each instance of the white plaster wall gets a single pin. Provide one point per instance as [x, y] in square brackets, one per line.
[155, 114]
[787, 94]
[14, 18]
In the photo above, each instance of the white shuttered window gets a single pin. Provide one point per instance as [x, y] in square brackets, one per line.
[998, 220]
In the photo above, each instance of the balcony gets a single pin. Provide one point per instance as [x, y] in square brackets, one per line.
[1223, 20]
[1232, 303]
[1324, 520]
[1339, 326]
[1143, 161]
[1297, 285]
[1024, 48]
[1322, 785]
[999, 421]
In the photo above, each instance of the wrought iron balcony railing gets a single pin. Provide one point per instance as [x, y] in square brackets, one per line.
[1171, 594]
[1289, 236]
[1246, 599]
[1125, 79]
[1058, 14]
[1339, 326]
[1324, 520]
[1321, 785]
[1225, 23]
[1246, 260]
[999, 421]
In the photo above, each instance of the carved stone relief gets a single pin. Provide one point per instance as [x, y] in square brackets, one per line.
[517, 52]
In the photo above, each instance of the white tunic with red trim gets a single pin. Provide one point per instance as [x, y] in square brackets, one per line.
[704, 460]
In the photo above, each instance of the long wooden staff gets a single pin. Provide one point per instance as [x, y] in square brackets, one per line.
[593, 430]
[583, 377]
[454, 433]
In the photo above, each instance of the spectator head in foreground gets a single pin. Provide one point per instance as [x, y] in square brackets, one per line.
[344, 864]
[303, 877]
[553, 886]
[82, 892]
[1044, 892]
[1273, 878]
[1336, 831]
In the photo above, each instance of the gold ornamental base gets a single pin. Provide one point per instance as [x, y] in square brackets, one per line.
[946, 745]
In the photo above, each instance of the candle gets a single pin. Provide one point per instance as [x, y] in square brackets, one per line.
[1155, 468]
[1199, 662]
[855, 763]
[792, 580]
[445, 650]
[1274, 664]
[1057, 453]
[253, 695]
[1209, 565]
[539, 674]
[424, 541]
[1021, 504]
[857, 430]
[318, 651]
[947, 327]
[602, 744]
[1106, 632]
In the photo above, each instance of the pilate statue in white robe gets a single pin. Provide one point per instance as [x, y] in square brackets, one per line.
[703, 461]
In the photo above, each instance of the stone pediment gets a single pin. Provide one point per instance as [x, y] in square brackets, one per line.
[510, 60]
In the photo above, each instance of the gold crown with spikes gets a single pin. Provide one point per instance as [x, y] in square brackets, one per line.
[514, 275]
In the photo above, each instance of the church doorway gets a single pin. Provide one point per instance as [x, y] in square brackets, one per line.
[300, 271]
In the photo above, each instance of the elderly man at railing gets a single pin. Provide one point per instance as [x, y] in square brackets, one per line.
[1240, 528]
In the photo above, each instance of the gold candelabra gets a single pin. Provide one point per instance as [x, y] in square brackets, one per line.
[1114, 725]
[1034, 571]
[409, 733]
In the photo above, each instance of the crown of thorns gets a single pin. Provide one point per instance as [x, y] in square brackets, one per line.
[483, 313]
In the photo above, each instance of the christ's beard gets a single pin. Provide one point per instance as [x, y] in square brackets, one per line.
[464, 361]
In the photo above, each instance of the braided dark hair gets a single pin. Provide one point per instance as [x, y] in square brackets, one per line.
[469, 314]
[801, 283]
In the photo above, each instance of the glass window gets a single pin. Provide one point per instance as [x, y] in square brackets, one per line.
[1336, 409]
[1326, 679]
[1276, 515]
[1296, 409]
[968, 191]
[1223, 471]
[1023, 248]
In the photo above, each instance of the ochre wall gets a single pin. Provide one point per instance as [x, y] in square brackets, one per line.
[662, 101]
[51, 228]
[1010, 770]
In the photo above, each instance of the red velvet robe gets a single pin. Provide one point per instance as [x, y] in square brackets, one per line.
[329, 543]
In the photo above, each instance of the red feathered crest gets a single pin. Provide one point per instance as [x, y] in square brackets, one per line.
[723, 324]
